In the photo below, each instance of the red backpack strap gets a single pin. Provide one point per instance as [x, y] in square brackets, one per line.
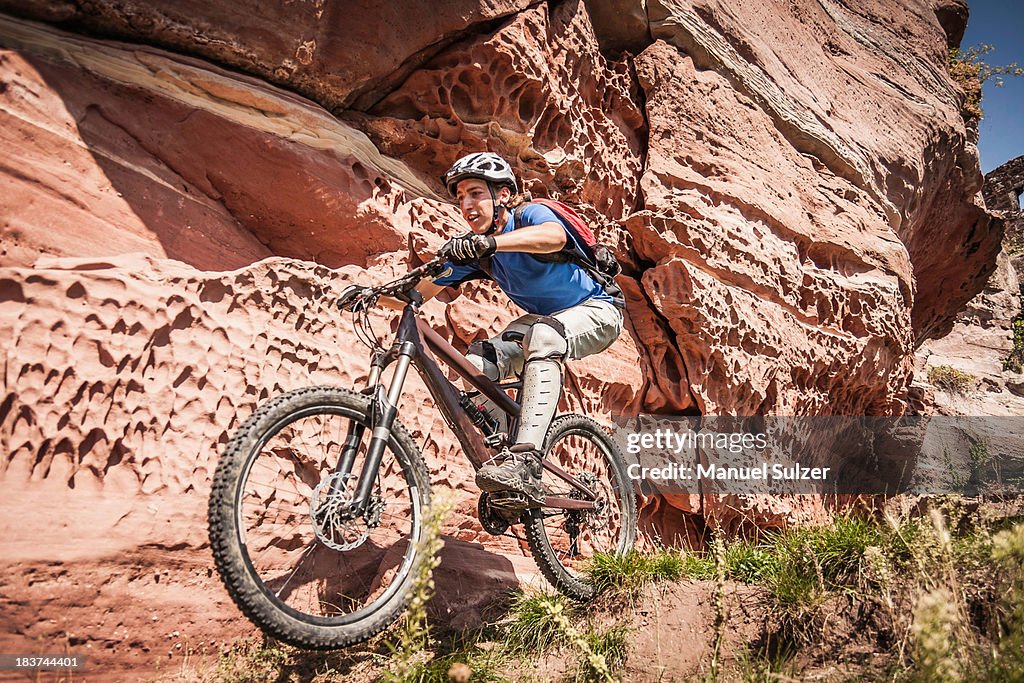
[579, 226]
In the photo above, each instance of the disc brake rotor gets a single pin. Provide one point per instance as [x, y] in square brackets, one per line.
[597, 518]
[330, 510]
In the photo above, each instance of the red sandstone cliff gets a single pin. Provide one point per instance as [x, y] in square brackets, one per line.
[790, 185]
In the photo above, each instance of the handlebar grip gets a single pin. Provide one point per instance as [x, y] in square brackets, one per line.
[349, 295]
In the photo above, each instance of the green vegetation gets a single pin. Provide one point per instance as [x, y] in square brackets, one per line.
[934, 596]
[591, 646]
[1014, 361]
[631, 572]
[413, 637]
[952, 381]
[466, 661]
[539, 621]
[529, 626]
[611, 646]
[970, 70]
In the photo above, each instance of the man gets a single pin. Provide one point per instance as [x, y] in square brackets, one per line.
[569, 315]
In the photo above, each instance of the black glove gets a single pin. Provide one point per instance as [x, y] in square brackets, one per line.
[465, 249]
[352, 298]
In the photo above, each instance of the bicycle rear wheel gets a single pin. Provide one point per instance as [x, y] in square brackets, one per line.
[563, 542]
[292, 555]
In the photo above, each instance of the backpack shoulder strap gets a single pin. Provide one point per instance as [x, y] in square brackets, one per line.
[580, 249]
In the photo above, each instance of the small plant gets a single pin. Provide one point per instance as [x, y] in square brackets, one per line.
[935, 629]
[414, 634]
[970, 70]
[629, 573]
[666, 565]
[796, 590]
[698, 567]
[979, 454]
[466, 662]
[529, 626]
[609, 644]
[1014, 361]
[745, 561]
[956, 475]
[841, 547]
[721, 616]
[538, 621]
[952, 381]
[594, 661]
[1008, 556]
[802, 568]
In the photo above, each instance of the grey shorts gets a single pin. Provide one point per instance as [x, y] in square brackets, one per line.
[590, 327]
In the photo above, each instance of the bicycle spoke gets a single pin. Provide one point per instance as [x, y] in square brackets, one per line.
[570, 538]
[298, 566]
[358, 563]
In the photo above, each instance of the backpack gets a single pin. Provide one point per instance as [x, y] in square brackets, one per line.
[596, 259]
[591, 255]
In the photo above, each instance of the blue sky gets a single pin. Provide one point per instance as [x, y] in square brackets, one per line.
[1000, 23]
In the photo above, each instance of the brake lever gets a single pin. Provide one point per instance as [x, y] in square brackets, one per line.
[349, 295]
[410, 296]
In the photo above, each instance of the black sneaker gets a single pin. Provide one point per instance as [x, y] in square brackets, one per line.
[514, 469]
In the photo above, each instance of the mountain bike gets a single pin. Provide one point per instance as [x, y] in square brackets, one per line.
[317, 501]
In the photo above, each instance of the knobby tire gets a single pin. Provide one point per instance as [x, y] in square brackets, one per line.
[545, 529]
[251, 592]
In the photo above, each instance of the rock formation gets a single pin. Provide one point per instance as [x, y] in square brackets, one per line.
[983, 333]
[774, 178]
[1004, 187]
[970, 378]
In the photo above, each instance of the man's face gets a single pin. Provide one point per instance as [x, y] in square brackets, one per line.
[475, 203]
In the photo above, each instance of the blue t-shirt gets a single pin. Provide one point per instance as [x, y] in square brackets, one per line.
[535, 286]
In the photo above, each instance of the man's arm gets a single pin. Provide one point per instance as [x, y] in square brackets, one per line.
[427, 289]
[545, 238]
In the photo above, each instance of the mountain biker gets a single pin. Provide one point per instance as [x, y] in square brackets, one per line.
[568, 314]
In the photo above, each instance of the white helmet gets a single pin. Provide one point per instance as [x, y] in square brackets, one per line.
[484, 165]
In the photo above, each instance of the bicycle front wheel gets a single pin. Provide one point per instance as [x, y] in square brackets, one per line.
[297, 557]
[563, 542]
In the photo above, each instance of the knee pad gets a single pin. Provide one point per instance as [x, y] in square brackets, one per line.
[546, 340]
[485, 358]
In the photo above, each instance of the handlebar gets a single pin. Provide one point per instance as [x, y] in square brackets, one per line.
[355, 297]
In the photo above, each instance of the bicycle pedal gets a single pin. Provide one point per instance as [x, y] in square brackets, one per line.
[496, 441]
[510, 501]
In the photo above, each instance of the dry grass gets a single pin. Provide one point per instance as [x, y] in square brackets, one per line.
[941, 593]
[952, 381]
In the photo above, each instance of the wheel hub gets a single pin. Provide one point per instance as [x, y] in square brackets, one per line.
[330, 509]
[595, 519]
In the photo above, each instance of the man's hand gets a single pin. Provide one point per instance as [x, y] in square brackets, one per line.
[465, 249]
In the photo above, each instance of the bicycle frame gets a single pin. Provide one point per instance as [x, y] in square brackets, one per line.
[416, 343]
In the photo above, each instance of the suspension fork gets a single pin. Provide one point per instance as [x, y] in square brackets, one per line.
[356, 430]
[384, 408]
